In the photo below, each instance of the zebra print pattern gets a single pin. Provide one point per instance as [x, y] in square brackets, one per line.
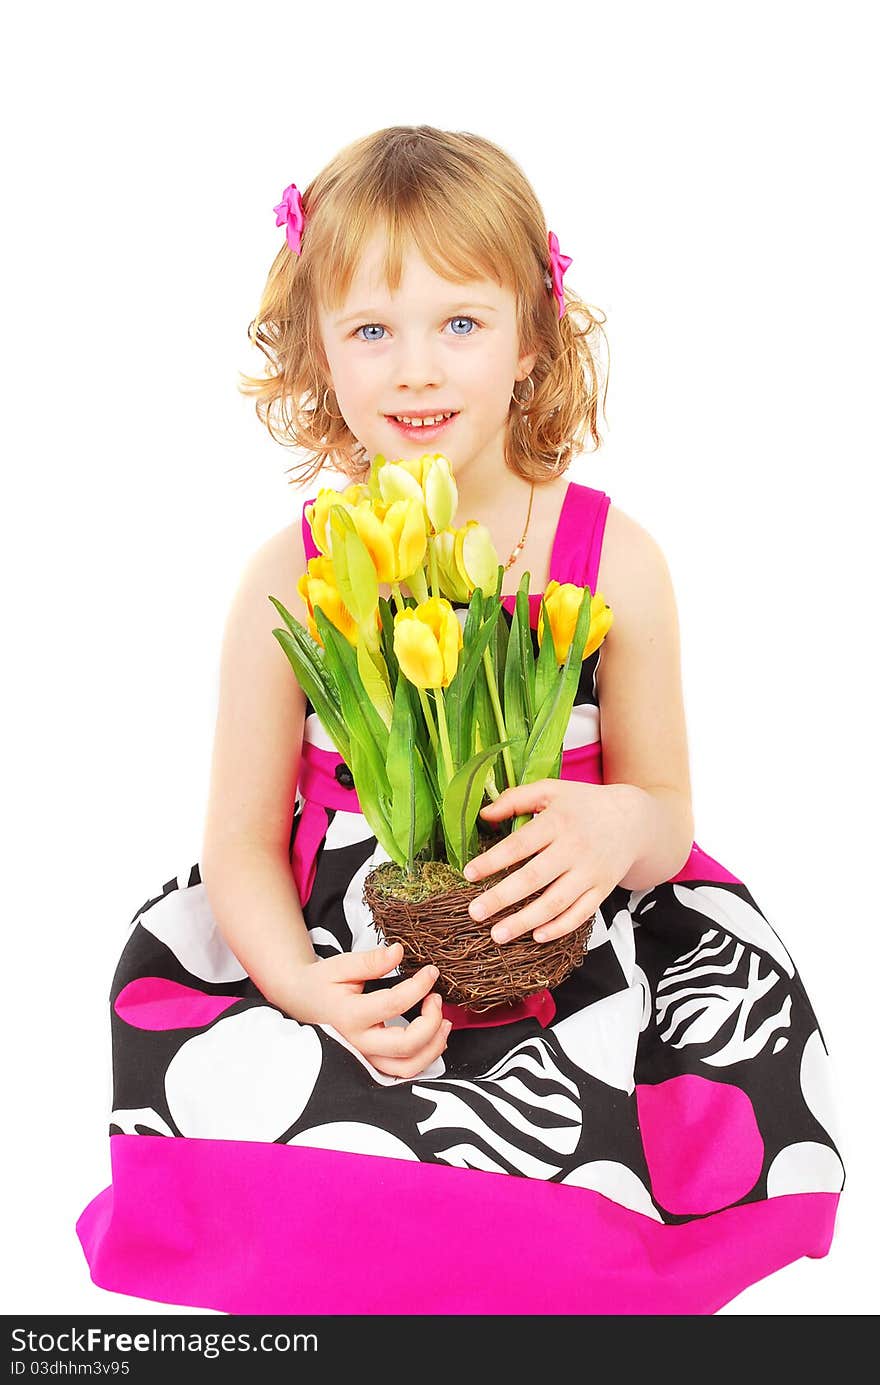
[718, 999]
[523, 1115]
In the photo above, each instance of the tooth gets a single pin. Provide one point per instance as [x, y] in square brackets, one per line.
[422, 422]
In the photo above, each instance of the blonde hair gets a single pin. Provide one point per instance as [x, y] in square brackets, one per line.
[467, 206]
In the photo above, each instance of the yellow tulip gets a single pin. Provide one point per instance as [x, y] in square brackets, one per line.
[399, 481]
[404, 524]
[317, 587]
[316, 514]
[431, 475]
[476, 558]
[440, 491]
[563, 602]
[427, 640]
[452, 584]
[378, 539]
[358, 493]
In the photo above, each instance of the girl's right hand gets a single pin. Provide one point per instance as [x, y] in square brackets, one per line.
[330, 991]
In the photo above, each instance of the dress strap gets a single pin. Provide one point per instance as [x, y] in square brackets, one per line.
[311, 548]
[578, 544]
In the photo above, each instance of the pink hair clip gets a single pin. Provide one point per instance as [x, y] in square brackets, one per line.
[558, 265]
[290, 211]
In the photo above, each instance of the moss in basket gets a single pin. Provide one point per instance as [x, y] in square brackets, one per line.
[429, 878]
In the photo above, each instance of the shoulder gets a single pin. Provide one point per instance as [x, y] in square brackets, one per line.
[628, 551]
[638, 677]
[283, 551]
[276, 565]
[635, 580]
[273, 568]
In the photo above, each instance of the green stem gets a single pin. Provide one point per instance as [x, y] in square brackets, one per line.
[444, 735]
[433, 576]
[499, 716]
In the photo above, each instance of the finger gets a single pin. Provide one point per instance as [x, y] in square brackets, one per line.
[539, 871]
[365, 966]
[578, 912]
[520, 798]
[411, 1067]
[405, 1041]
[394, 1000]
[546, 909]
[518, 846]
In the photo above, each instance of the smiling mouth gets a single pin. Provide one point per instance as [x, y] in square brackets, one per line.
[431, 421]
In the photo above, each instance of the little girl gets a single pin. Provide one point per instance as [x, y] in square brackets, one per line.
[652, 1135]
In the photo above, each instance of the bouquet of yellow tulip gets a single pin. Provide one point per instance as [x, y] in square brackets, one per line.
[420, 708]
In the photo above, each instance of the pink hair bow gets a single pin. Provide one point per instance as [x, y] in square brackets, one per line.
[558, 265]
[290, 210]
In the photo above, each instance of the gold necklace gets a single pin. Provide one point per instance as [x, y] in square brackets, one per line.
[518, 548]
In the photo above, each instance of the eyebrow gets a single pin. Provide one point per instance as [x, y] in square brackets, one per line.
[372, 313]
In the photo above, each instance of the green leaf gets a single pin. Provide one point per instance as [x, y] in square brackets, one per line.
[483, 711]
[319, 690]
[310, 651]
[363, 721]
[545, 742]
[353, 568]
[372, 805]
[461, 803]
[386, 615]
[374, 682]
[412, 803]
[458, 698]
[547, 667]
[526, 650]
[502, 640]
[513, 703]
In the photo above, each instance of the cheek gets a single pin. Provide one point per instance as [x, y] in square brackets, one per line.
[493, 368]
[353, 382]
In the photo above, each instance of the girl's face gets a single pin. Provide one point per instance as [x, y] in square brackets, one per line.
[432, 347]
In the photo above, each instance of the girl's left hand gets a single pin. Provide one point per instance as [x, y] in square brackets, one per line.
[584, 839]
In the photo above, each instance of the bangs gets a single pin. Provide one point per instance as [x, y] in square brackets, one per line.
[448, 231]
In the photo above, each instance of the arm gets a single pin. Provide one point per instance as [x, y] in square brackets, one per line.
[644, 737]
[244, 861]
[663, 833]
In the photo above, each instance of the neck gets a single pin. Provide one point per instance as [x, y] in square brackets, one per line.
[490, 493]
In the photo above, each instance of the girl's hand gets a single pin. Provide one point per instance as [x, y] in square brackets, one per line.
[330, 990]
[584, 842]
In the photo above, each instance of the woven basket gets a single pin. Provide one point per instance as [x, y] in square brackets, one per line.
[474, 970]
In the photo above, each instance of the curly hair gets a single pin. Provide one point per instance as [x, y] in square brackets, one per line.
[465, 204]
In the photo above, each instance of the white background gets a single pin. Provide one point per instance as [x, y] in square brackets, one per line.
[709, 169]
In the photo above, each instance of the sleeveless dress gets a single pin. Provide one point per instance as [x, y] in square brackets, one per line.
[650, 1137]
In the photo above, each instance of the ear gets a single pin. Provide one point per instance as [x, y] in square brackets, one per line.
[526, 365]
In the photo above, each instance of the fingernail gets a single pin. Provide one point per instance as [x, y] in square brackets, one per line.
[500, 935]
[468, 872]
[477, 911]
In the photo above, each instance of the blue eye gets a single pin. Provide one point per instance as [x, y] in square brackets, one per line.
[367, 325]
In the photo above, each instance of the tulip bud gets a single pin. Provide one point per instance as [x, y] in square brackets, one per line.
[440, 491]
[476, 558]
[317, 587]
[427, 640]
[563, 602]
[317, 516]
[452, 585]
[397, 482]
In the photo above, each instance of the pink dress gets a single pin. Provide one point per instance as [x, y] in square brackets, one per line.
[657, 1130]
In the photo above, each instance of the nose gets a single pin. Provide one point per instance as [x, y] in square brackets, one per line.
[416, 369]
